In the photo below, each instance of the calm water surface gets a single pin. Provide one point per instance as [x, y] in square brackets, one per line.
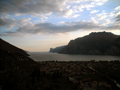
[66, 57]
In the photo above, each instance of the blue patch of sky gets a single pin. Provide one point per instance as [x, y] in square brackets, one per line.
[85, 15]
[3, 15]
[109, 6]
[35, 19]
[2, 29]
[56, 20]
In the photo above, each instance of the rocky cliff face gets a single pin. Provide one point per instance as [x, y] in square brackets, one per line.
[57, 49]
[10, 48]
[101, 43]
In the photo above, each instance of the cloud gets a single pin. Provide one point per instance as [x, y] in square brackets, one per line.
[3, 22]
[101, 16]
[106, 19]
[87, 4]
[118, 17]
[75, 16]
[62, 22]
[50, 28]
[47, 7]
[23, 22]
[68, 13]
[117, 8]
[93, 19]
[8, 23]
[38, 8]
[94, 11]
[62, 8]
[31, 6]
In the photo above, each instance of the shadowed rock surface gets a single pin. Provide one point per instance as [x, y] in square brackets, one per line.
[101, 43]
[57, 49]
[11, 48]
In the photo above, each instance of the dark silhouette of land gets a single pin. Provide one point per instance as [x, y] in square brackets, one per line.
[11, 48]
[19, 72]
[101, 43]
[57, 49]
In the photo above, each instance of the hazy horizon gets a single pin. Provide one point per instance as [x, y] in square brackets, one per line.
[38, 25]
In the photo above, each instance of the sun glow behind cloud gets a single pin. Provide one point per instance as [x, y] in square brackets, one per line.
[37, 25]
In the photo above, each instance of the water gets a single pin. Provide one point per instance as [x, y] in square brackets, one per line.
[44, 56]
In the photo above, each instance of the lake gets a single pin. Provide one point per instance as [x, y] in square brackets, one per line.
[46, 56]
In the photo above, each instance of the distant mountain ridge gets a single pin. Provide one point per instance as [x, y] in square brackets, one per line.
[11, 48]
[57, 49]
[101, 43]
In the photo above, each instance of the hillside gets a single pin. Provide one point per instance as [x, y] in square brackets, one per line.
[101, 43]
[15, 67]
[11, 48]
[57, 49]
[19, 72]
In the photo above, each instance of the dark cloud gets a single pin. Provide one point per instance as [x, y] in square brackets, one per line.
[117, 18]
[31, 6]
[7, 23]
[53, 28]
[3, 22]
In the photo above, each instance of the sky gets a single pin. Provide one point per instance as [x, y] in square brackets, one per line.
[38, 25]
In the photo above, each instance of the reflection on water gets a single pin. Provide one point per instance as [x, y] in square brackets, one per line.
[66, 57]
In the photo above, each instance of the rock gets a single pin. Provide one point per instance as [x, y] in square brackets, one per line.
[57, 49]
[101, 43]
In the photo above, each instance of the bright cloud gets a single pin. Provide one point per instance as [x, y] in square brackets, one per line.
[94, 11]
[117, 8]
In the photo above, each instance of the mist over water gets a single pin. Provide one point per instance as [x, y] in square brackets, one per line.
[45, 56]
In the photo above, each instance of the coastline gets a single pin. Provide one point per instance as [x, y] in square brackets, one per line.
[19, 72]
[67, 57]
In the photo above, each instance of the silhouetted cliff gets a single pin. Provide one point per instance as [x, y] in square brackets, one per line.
[101, 43]
[57, 49]
[8, 47]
